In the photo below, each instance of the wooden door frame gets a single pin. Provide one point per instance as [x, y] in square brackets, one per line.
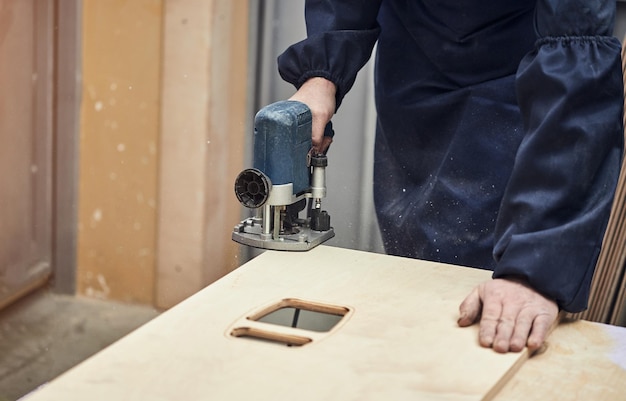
[66, 114]
[38, 272]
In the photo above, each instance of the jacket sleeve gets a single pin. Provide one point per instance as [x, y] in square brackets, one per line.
[557, 203]
[340, 37]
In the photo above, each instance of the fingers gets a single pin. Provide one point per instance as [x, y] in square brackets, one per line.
[513, 315]
[492, 328]
[319, 142]
[540, 330]
[523, 325]
[319, 95]
[326, 141]
[470, 309]
[512, 328]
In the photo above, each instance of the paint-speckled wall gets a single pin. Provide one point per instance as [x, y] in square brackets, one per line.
[118, 149]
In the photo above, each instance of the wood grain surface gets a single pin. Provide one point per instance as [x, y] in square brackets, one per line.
[582, 361]
[399, 339]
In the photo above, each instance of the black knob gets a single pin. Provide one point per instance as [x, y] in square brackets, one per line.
[252, 188]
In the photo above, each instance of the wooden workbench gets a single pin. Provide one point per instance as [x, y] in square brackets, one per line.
[396, 338]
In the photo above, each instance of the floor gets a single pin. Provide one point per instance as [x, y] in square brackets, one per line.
[45, 334]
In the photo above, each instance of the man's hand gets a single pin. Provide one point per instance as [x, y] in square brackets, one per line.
[512, 315]
[319, 95]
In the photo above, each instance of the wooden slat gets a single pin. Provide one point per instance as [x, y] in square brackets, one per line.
[203, 121]
[618, 315]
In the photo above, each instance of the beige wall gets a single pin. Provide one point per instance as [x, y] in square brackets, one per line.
[118, 148]
[148, 99]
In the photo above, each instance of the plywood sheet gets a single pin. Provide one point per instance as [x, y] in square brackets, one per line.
[582, 361]
[398, 341]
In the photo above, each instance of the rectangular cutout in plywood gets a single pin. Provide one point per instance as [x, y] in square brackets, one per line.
[302, 314]
[299, 316]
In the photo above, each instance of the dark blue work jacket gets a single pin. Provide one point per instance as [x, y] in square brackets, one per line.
[499, 135]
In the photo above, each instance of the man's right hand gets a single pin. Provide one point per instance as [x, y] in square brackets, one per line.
[319, 95]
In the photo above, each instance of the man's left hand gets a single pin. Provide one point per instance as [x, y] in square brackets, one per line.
[512, 315]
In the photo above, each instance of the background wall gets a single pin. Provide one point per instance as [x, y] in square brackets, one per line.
[163, 117]
[119, 134]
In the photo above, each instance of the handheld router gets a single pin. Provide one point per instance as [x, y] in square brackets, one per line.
[286, 174]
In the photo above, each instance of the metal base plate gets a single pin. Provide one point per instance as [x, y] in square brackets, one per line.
[304, 240]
